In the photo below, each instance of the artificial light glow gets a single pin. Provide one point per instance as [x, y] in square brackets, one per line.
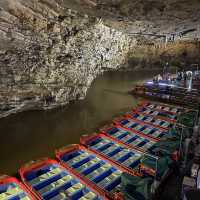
[149, 82]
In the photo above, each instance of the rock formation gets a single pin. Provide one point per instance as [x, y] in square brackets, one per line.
[50, 55]
[52, 50]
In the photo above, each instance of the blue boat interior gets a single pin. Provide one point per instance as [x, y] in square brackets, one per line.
[122, 155]
[124, 122]
[97, 170]
[164, 108]
[116, 152]
[12, 191]
[158, 113]
[131, 138]
[157, 122]
[145, 129]
[55, 183]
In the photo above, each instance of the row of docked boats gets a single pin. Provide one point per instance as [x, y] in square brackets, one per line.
[139, 148]
[180, 92]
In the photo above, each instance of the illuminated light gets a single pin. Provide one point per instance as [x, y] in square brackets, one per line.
[165, 84]
[162, 84]
[149, 82]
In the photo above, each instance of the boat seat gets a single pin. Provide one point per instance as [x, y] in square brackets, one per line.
[109, 179]
[14, 193]
[100, 173]
[55, 185]
[102, 148]
[147, 130]
[127, 137]
[121, 156]
[92, 163]
[99, 144]
[117, 133]
[112, 150]
[113, 130]
[78, 159]
[89, 196]
[45, 177]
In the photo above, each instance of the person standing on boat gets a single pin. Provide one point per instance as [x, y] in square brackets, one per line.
[159, 78]
[182, 75]
[185, 78]
[179, 76]
[189, 79]
[165, 70]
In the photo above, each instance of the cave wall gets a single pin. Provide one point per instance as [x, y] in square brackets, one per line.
[50, 55]
[178, 54]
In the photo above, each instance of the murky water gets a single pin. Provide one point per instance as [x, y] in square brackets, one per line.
[32, 135]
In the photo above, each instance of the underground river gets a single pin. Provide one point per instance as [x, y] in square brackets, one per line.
[35, 134]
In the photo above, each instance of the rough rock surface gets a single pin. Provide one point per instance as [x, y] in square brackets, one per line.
[52, 50]
[156, 17]
[50, 55]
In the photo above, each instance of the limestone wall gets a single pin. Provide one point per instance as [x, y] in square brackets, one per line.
[50, 55]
